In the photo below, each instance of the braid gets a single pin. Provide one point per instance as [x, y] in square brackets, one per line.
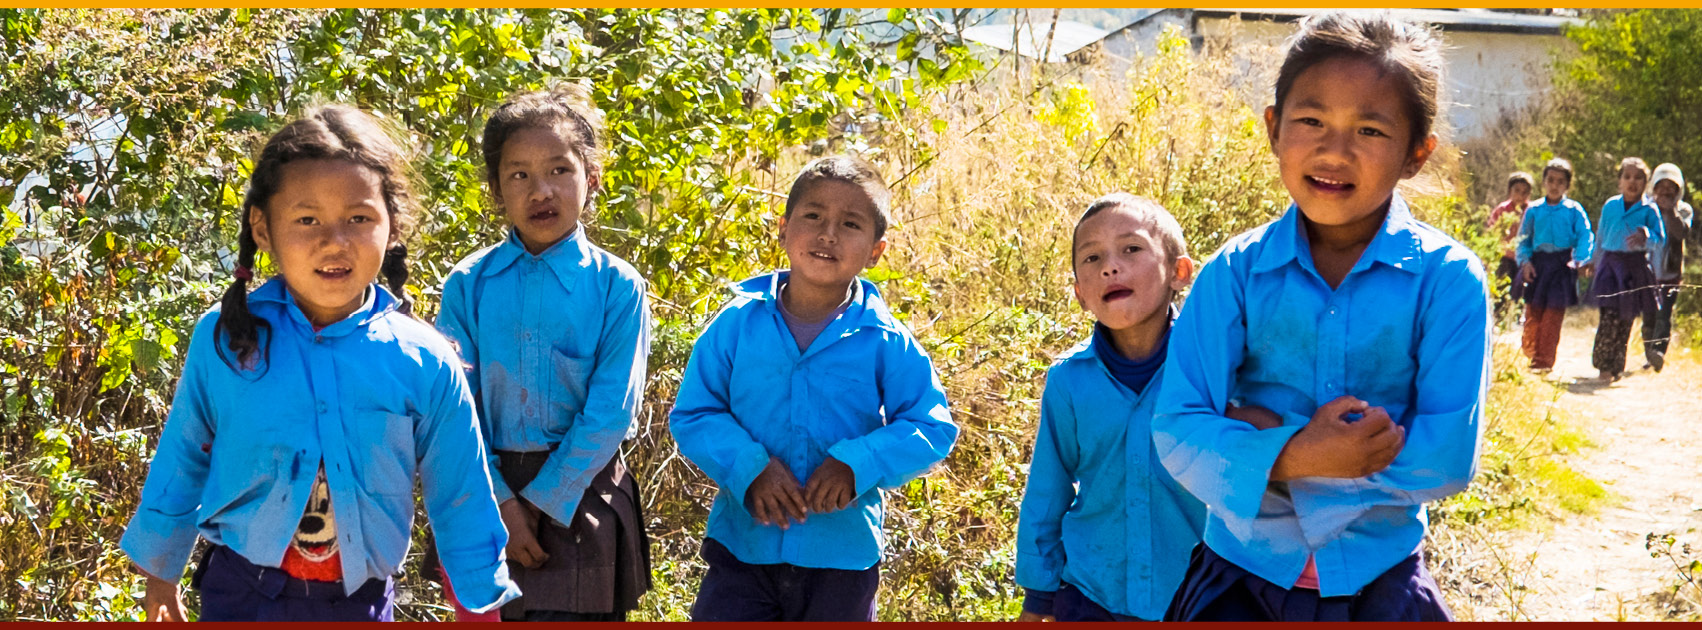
[235, 321]
[395, 270]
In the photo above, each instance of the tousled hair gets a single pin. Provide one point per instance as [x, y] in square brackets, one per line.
[327, 132]
[1411, 51]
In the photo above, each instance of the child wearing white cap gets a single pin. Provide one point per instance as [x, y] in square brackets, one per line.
[1668, 259]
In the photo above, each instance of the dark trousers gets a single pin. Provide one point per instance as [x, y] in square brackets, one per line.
[1216, 589]
[1512, 286]
[1070, 604]
[735, 591]
[234, 589]
[1613, 333]
[1541, 336]
[1657, 326]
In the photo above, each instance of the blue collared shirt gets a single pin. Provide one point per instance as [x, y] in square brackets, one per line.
[556, 346]
[1618, 222]
[864, 392]
[1100, 512]
[376, 398]
[1408, 329]
[1552, 227]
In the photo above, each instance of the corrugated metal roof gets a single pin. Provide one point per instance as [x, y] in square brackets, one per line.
[1030, 37]
[1446, 19]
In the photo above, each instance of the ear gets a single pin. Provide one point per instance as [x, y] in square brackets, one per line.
[780, 231]
[1271, 125]
[593, 184]
[1182, 274]
[1075, 289]
[258, 227]
[496, 192]
[875, 256]
[1420, 155]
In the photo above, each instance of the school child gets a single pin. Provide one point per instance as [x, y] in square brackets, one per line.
[1364, 329]
[307, 407]
[1554, 242]
[803, 398]
[1095, 483]
[555, 332]
[1508, 215]
[1676, 215]
[1630, 229]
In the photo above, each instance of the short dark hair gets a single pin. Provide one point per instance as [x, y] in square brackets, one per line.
[1169, 231]
[1520, 177]
[1409, 50]
[851, 170]
[1559, 164]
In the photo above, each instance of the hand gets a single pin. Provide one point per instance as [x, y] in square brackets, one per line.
[1029, 616]
[832, 487]
[775, 497]
[1528, 272]
[1637, 240]
[1260, 417]
[1330, 446]
[163, 601]
[521, 519]
[1586, 270]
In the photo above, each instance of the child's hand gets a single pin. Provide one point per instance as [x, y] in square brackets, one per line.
[1637, 239]
[1260, 417]
[1528, 272]
[1026, 617]
[832, 487]
[163, 601]
[521, 519]
[1330, 446]
[775, 497]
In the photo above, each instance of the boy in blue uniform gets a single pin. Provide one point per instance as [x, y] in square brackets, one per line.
[1555, 241]
[1105, 532]
[806, 375]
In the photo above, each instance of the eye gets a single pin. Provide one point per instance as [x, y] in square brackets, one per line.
[1373, 132]
[561, 170]
[1309, 121]
[812, 215]
[1090, 258]
[360, 218]
[1132, 249]
[517, 175]
[853, 225]
[307, 220]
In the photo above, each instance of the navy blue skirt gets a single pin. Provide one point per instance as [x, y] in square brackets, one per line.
[1215, 589]
[1556, 283]
[1626, 283]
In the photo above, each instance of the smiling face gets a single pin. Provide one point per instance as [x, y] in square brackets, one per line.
[542, 185]
[1666, 194]
[1632, 181]
[326, 229]
[1123, 275]
[1555, 182]
[830, 235]
[1344, 140]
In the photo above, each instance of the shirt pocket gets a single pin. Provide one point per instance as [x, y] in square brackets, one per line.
[850, 399]
[572, 380]
[384, 451]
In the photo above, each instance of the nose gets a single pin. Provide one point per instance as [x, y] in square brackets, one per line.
[1335, 144]
[541, 190]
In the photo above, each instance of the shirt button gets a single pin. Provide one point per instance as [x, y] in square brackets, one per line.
[321, 406]
[318, 339]
[1333, 311]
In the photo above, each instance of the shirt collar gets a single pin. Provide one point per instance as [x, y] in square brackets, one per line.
[867, 308]
[1085, 350]
[565, 258]
[1395, 245]
[377, 303]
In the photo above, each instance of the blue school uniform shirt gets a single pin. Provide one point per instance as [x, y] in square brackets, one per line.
[1100, 512]
[1618, 221]
[555, 346]
[377, 397]
[1408, 329]
[864, 393]
[1553, 227]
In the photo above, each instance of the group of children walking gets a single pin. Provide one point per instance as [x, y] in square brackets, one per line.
[1263, 453]
[1635, 255]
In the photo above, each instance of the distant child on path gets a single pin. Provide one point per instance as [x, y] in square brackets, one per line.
[1676, 215]
[1507, 218]
[1629, 231]
[1365, 330]
[1554, 242]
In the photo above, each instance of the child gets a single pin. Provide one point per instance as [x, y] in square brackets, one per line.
[806, 375]
[1095, 483]
[555, 332]
[1554, 242]
[1365, 330]
[1624, 287]
[1508, 216]
[306, 408]
[1669, 260]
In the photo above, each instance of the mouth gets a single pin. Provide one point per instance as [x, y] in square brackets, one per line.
[1328, 185]
[542, 214]
[824, 256]
[1116, 293]
[334, 272]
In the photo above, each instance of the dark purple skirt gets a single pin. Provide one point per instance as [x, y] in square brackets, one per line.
[1215, 589]
[1556, 283]
[1626, 283]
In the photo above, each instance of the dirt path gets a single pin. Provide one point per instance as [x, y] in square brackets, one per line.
[1648, 456]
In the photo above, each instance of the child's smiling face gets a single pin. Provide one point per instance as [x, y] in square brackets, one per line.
[542, 184]
[1666, 194]
[1344, 140]
[326, 229]
[1632, 181]
[1123, 275]
[830, 236]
